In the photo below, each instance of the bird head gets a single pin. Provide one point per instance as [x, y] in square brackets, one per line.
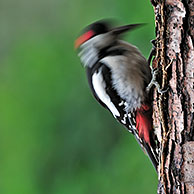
[102, 33]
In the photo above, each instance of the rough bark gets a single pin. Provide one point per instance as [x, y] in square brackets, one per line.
[174, 110]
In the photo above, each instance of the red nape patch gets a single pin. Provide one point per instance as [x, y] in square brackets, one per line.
[144, 124]
[83, 38]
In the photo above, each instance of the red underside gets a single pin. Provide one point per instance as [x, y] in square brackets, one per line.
[144, 122]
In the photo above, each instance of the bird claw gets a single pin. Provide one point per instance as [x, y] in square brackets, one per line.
[161, 91]
[153, 82]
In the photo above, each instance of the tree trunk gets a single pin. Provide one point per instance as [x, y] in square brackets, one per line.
[174, 110]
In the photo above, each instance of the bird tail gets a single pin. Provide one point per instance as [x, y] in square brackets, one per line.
[144, 133]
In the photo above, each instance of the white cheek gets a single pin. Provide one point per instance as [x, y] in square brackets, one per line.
[99, 87]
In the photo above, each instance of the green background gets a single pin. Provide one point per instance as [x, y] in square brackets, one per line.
[54, 137]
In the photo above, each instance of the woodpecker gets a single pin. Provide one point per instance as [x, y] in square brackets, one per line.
[118, 75]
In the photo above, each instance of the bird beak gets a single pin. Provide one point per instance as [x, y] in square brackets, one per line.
[122, 29]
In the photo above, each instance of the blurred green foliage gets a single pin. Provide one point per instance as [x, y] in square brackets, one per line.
[54, 137]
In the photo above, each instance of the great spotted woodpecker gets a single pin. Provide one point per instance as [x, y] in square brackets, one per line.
[118, 75]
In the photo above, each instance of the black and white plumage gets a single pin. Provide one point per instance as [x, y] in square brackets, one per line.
[118, 75]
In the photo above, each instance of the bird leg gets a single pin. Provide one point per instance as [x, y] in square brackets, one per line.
[155, 71]
[154, 82]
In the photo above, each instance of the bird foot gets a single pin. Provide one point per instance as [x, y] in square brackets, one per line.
[154, 82]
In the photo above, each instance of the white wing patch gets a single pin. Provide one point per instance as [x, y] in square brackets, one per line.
[99, 87]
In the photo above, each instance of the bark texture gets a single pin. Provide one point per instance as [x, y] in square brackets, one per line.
[174, 110]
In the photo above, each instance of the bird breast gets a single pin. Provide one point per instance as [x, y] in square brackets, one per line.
[128, 77]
